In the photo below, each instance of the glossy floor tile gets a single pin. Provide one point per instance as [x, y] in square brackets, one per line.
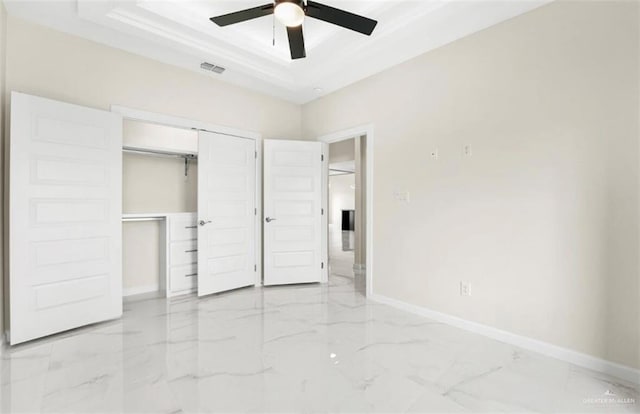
[306, 348]
[341, 253]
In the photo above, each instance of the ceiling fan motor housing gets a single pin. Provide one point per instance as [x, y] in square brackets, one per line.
[296, 2]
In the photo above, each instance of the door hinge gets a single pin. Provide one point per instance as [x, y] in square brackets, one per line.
[322, 211]
[321, 157]
[256, 153]
[255, 211]
[322, 265]
[255, 268]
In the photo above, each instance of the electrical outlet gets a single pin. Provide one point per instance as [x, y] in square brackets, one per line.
[465, 289]
[434, 154]
[466, 150]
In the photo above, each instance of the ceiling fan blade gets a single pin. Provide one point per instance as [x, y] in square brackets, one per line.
[339, 17]
[243, 15]
[296, 42]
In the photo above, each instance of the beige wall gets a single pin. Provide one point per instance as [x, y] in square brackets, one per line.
[55, 65]
[360, 234]
[3, 44]
[342, 151]
[341, 197]
[153, 184]
[47, 63]
[156, 184]
[142, 256]
[542, 220]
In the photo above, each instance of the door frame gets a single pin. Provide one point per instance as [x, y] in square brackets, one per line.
[185, 123]
[367, 131]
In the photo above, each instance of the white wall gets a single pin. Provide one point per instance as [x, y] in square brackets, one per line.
[341, 197]
[543, 218]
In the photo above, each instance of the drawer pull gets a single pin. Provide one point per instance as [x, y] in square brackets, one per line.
[191, 251]
[190, 227]
[191, 275]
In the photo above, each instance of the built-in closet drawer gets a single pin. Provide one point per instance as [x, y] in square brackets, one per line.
[183, 253]
[183, 227]
[183, 278]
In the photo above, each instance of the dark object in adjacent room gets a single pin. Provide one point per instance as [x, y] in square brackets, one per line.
[348, 220]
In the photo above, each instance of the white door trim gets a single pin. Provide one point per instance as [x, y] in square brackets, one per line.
[185, 123]
[366, 130]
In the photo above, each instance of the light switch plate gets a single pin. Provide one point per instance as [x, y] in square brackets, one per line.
[402, 196]
[465, 289]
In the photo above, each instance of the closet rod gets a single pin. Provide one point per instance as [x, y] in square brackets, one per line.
[162, 153]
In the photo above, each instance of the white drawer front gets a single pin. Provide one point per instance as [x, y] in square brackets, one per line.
[183, 227]
[183, 278]
[183, 253]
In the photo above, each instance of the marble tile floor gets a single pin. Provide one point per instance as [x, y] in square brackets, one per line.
[304, 348]
[341, 253]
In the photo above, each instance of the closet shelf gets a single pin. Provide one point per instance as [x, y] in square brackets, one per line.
[148, 216]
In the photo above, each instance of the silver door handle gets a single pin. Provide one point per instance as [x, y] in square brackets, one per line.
[269, 219]
[202, 222]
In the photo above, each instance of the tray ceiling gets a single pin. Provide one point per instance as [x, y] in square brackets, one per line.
[179, 32]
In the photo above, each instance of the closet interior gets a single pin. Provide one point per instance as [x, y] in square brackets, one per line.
[159, 204]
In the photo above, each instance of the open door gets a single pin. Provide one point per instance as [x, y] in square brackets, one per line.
[65, 203]
[293, 212]
[226, 212]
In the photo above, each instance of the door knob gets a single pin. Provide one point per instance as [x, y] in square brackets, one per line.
[202, 222]
[269, 219]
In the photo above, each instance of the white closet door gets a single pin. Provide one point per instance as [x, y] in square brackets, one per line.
[226, 212]
[292, 210]
[65, 201]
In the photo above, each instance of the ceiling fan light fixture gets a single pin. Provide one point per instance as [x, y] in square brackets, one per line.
[289, 13]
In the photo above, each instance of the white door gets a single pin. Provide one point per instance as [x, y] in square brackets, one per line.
[226, 212]
[292, 212]
[65, 202]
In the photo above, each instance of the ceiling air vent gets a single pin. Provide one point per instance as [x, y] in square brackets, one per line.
[211, 67]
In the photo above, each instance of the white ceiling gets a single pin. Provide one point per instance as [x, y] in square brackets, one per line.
[179, 32]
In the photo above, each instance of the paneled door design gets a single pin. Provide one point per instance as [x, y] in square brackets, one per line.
[226, 212]
[292, 212]
[65, 202]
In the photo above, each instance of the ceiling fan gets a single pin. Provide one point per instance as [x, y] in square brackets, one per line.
[292, 12]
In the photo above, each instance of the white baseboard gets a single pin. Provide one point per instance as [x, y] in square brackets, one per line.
[565, 354]
[139, 290]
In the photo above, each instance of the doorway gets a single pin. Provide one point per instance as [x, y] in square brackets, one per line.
[342, 208]
[349, 207]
